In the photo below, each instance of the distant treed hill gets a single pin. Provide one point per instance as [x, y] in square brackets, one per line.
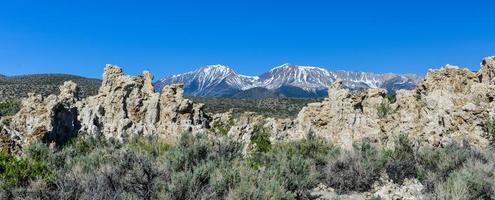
[15, 87]
[281, 107]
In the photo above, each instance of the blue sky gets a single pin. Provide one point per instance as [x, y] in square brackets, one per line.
[168, 37]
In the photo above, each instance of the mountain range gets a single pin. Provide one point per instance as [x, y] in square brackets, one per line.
[285, 80]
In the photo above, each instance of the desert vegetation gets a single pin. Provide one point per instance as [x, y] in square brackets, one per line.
[202, 167]
[9, 107]
[16, 87]
[281, 107]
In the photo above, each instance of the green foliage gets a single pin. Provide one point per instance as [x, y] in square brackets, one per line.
[16, 87]
[311, 147]
[221, 128]
[18, 172]
[375, 198]
[5, 121]
[281, 107]
[257, 185]
[261, 139]
[355, 170]
[199, 166]
[392, 96]
[401, 161]
[490, 126]
[9, 107]
[436, 164]
[149, 145]
[384, 109]
[473, 181]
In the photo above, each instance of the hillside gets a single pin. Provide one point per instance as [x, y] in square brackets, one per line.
[281, 107]
[14, 87]
[256, 93]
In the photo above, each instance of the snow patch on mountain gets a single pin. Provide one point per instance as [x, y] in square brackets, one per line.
[221, 80]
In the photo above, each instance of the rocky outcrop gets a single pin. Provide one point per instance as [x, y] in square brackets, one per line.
[449, 105]
[344, 117]
[125, 106]
[51, 119]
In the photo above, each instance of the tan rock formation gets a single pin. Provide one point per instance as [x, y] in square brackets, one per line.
[52, 119]
[128, 105]
[124, 106]
[344, 117]
[449, 105]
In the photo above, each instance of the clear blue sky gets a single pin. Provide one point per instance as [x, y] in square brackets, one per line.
[167, 37]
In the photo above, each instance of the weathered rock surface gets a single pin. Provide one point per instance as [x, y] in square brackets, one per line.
[124, 106]
[51, 119]
[127, 105]
[411, 189]
[449, 105]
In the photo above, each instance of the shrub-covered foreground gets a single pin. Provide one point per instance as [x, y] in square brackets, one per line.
[197, 167]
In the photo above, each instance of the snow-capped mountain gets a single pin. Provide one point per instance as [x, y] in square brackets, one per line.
[304, 77]
[284, 80]
[211, 80]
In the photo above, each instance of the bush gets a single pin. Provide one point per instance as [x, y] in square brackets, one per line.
[384, 109]
[203, 167]
[354, 171]
[261, 139]
[19, 172]
[401, 162]
[436, 164]
[311, 147]
[9, 107]
[257, 185]
[221, 128]
[473, 181]
[392, 96]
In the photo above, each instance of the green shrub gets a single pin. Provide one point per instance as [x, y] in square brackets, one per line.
[384, 109]
[189, 151]
[436, 164]
[473, 181]
[392, 96]
[354, 171]
[311, 147]
[258, 185]
[150, 145]
[261, 139]
[401, 161]
[490, 126]
[198, 166]
[18, 172]
[221, 128]
[9, 107]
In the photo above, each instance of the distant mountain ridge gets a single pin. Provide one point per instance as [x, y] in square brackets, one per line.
[285, 80]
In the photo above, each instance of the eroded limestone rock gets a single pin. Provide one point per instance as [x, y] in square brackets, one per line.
[449, 105]
[344, 117]
[125, 106]
[51, 119]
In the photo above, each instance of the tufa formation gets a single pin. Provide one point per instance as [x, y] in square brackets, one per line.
[450, 105]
